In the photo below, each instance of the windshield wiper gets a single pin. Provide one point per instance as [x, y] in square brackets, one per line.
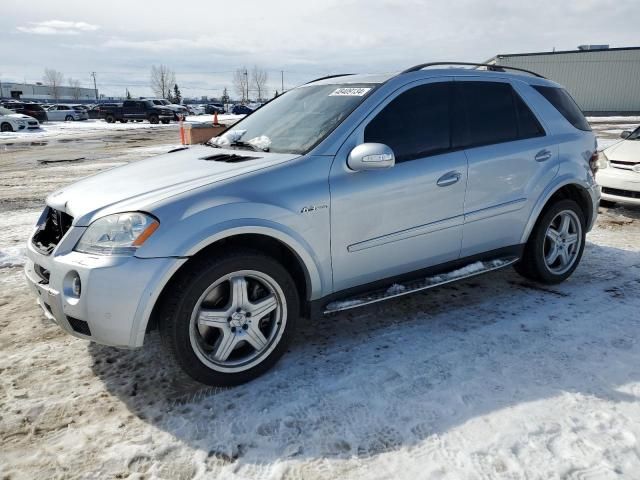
[241, 144]
[211, 144]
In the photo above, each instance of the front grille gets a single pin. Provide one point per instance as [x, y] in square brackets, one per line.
[621, 193]
[624, 165]
[79, 326]
[51, 230]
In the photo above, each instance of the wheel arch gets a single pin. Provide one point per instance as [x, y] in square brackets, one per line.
[305, 275]
[566, 190]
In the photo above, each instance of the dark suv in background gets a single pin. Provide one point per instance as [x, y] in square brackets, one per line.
[34, 110]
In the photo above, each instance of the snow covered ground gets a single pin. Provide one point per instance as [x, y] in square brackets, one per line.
[493, 377]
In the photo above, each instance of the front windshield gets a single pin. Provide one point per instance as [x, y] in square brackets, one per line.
[297, 120]
[6, 111]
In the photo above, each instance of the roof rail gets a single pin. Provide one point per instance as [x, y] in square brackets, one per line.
[490, 67]
[329, 76]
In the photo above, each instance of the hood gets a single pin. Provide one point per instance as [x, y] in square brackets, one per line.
[19, 116]
[138, 185]
[624, 151]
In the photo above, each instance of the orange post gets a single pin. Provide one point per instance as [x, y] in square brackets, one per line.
[215, 117]
[182, 139]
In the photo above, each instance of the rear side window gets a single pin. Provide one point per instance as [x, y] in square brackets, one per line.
[528, 125]
[492, 112]
[415, 124]
[566, 105]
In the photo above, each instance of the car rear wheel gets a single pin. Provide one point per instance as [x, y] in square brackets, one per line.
[227, 320]
[555, 245]
[6, 127]
[110, 119]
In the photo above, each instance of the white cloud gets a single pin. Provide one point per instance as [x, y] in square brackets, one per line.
[58, 27]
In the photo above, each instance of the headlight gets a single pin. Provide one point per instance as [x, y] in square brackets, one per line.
[603, 161]
[118, 234]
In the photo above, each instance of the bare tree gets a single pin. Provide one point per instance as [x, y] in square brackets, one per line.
[53, 79]
[259, 81]
[162, 80]
[75, 88]
[241, 83]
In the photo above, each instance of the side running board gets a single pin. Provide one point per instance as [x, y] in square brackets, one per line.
[398, 289]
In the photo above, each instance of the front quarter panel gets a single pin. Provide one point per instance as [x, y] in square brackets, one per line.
[289, 202]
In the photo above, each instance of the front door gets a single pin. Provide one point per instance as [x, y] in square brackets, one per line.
[389, 222]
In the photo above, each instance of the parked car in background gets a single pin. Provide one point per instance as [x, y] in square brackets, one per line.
[177, 110]
[66, 113]
[34, 110]
[342, 193]
[619, 172]
[241, 110]
[96, 111]
[11, 121]
[137, 110]
[212, 108]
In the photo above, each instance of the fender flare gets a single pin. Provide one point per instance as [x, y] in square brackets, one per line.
[561, 181]
[298, 246]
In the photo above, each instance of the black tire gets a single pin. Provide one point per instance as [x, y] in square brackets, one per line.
[69, 118]
[184, 294]
[110, 119]
[165, 121]
[6, 127]
[154, 119]
[138, 121]
[532, 265]
[124, 120]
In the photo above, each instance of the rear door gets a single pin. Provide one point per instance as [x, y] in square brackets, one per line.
[511, 160]
[389, 222]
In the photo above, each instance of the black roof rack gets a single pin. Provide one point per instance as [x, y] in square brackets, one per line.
[490, 67]
[329, 76]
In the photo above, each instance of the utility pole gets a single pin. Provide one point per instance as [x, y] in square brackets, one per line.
[282, 81]
[95, 88]
[246, 81]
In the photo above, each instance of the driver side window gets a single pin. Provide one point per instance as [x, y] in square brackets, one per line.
[415, 124]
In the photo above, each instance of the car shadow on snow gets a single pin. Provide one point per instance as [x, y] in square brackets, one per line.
[393, 375]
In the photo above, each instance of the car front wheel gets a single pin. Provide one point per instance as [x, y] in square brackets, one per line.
[6, 127]
[555, 245]
[227, 320]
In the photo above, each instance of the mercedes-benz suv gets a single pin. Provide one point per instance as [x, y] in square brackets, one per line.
[343, 192]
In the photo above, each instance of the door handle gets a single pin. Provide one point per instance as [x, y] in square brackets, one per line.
[543, 155]
[448, 179]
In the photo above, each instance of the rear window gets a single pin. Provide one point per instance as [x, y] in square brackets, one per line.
[566, 105]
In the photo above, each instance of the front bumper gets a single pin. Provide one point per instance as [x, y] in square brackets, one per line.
[117, 293]
[619, 185]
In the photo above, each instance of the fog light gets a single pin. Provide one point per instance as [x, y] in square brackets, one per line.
[75, 286]
[72, 286]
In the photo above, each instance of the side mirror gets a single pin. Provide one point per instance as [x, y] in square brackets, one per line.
[371, 156]
[625, 134]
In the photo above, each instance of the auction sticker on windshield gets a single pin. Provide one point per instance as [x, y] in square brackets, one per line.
[349, 92]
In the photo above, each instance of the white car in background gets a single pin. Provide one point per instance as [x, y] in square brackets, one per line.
[619, 172]
[11, 121]
[67, 113]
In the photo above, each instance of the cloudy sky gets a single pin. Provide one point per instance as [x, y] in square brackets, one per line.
[204, 41]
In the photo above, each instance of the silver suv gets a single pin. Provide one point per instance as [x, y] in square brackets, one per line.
[342, 192]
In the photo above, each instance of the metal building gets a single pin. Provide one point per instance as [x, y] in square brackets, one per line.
[602, 80]
[40, 92]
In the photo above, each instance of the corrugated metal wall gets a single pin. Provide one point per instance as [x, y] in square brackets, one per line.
[600, 80]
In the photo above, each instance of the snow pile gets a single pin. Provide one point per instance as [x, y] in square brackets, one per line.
[12, 257]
